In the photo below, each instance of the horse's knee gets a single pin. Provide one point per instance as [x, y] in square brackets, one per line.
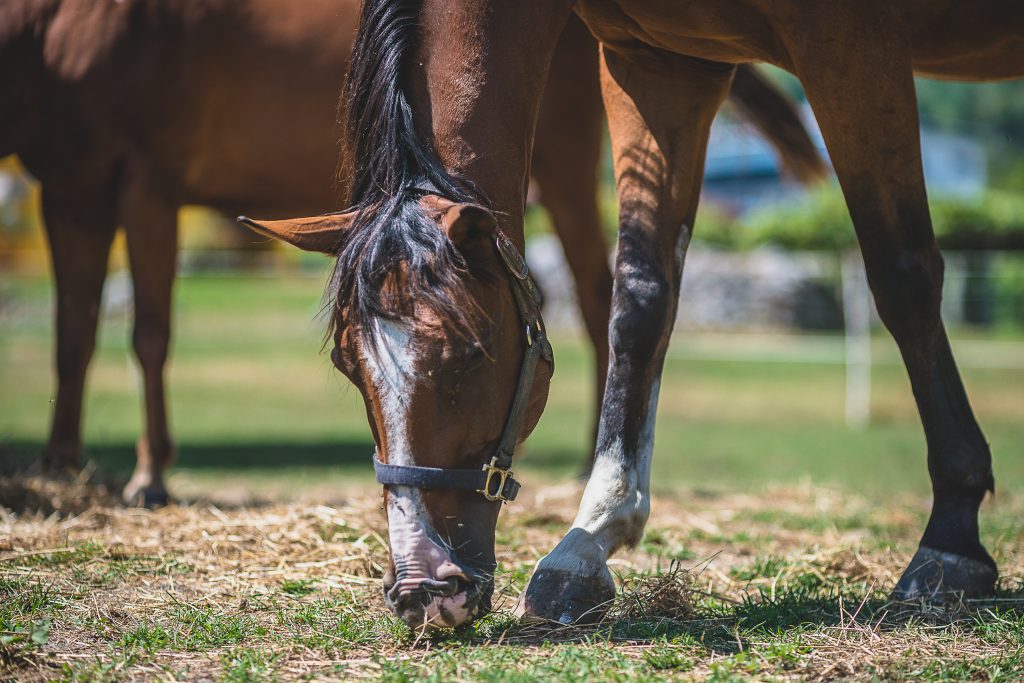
[642, 309]
[907, 285]
[73, 356]
[151, 341]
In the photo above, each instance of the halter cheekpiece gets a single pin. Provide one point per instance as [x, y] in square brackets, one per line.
[494, 481]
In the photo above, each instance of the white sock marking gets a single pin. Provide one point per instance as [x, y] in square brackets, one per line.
[616, 502]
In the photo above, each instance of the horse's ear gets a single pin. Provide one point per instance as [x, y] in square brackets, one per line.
[468, 224]
[316, 233]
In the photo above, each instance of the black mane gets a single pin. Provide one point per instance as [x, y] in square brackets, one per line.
[386, 165]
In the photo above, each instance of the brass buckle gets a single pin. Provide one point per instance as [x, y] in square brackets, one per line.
[494, 471]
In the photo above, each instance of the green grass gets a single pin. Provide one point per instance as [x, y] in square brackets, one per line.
[256, 407]
[252, 393]
[789, 613]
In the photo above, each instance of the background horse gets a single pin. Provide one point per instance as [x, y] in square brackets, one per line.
[126, 111]
[451, 91]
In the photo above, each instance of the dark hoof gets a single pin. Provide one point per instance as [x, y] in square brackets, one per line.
[571, 584]
[156, 498]
[558, 596]
[61, 461]
[150, 497]
[935, 576]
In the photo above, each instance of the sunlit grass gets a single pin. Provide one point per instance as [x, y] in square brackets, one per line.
[251, 392]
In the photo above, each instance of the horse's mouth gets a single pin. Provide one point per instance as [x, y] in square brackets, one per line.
[435, 604]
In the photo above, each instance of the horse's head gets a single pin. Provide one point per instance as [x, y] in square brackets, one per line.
[436, 322]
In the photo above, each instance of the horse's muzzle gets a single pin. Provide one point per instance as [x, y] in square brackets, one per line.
[432, 604]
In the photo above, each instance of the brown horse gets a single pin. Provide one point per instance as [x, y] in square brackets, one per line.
[445, 98]
[125, 111]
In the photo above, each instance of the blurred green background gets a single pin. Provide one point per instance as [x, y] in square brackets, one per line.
[257, 407]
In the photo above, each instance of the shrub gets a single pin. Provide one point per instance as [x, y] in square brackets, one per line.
[821, 222]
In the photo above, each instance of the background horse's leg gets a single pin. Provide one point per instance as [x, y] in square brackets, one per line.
[660, 109]
[868, 114]
[151, 230]
[566, 154]
[80, 234]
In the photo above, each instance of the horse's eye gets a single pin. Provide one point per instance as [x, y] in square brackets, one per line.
[475, 354]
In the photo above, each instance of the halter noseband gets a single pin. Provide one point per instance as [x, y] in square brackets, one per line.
[494, 481]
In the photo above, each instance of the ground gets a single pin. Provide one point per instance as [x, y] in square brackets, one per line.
[787, 584]
[775, 535]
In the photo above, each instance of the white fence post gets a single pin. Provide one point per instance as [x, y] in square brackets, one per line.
[857, 319]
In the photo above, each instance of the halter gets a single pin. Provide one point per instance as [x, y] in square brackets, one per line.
[494, 481]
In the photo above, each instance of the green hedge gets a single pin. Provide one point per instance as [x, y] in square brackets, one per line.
[820, 221]
[996, 221]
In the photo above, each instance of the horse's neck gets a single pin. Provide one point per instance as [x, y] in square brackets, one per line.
[481, 75]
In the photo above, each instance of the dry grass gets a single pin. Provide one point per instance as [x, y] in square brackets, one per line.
[790, 584]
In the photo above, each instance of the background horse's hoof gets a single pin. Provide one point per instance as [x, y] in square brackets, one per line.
[935, 575]
[145, 496]
[58, 460]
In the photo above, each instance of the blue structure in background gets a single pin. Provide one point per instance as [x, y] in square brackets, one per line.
[742, 172]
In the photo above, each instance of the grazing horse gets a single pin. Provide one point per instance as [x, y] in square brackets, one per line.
[125, 111]
[446, 95]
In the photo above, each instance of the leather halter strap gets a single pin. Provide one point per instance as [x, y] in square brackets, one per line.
[494, 481]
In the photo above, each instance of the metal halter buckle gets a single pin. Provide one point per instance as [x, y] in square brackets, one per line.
[514, 261]
[493, 471]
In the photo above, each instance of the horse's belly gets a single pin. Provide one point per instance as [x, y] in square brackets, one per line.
[733, 31]
[979, 40]
[266, 144]
[265, 177]
[956, 39]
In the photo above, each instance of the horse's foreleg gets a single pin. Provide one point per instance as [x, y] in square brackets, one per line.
[152, 235]
[660, 110]
[868, 114]
[566, 154]
[80, 236]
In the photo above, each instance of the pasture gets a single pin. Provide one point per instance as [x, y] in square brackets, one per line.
[775, 536]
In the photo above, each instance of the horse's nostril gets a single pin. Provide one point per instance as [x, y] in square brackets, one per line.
[406, 596]
[444, 587]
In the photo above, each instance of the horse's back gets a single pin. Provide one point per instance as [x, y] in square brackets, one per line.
[215, 98]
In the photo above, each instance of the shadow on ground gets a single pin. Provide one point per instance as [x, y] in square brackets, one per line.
[728, 628]
[119, 458]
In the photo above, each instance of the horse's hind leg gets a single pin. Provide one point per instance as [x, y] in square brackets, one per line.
[80, 234]
[151, 230]
[660, 110]
[868, 114]
[566, 154]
